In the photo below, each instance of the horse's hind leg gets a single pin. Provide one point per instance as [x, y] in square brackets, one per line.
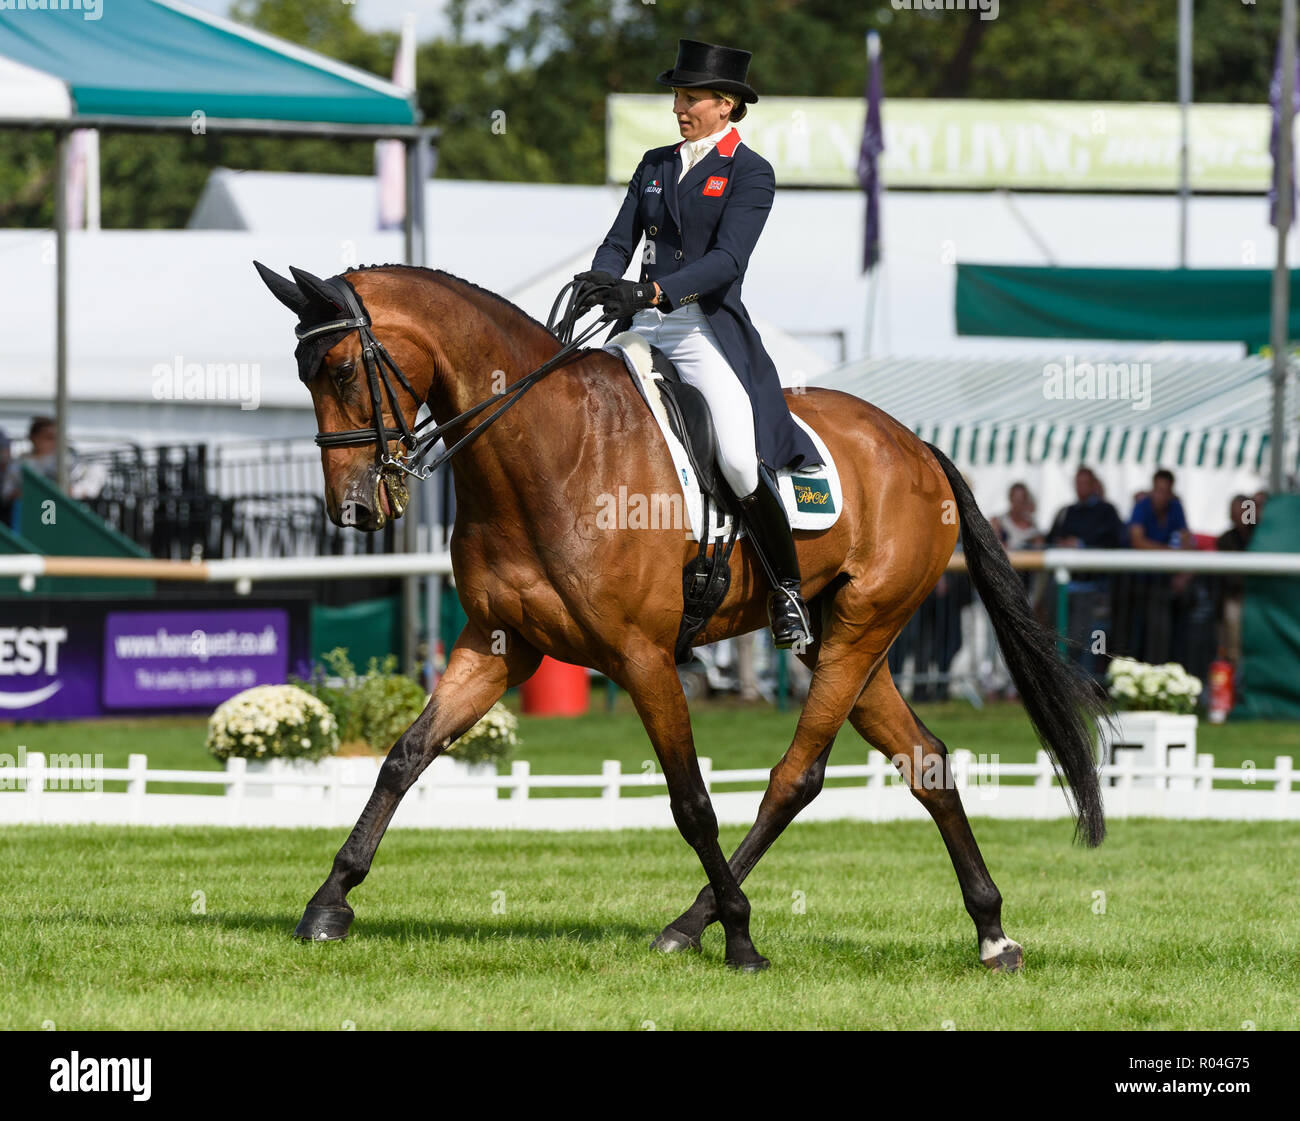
[475, 680]
[888, 723]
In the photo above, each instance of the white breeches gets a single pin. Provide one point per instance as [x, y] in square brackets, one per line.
[686, 337]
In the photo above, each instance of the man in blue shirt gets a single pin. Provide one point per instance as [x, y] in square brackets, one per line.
[1158, 522]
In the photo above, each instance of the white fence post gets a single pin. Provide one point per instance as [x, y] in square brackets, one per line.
[1043, 784]
[136, 785]
[236, 771]
[960, 762]
[706, 772]
[876, 767]
[1282, 791]
[1204, 783]
[35, 786]
[520, 770]
[611, 770]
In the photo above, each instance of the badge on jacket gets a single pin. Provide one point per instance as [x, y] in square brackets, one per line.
[715, 185]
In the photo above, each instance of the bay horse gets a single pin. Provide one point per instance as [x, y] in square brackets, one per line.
[536, 576]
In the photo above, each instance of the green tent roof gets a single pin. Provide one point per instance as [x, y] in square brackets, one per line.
[157, 58]
[1047, 302]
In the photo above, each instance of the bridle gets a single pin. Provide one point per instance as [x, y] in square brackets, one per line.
[378, 363]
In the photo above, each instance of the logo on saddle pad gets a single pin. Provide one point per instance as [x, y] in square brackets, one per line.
[812, 494]
[715, 185]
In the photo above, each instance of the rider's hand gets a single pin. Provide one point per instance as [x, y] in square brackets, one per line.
[628, 297]
[598, 283]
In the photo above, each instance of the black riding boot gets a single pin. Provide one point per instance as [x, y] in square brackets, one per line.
[765, 518]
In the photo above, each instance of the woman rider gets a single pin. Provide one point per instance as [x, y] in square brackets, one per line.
[702, 204]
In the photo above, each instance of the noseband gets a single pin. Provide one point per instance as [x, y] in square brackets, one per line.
[378, 362]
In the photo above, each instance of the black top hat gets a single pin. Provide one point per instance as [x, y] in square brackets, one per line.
[703, 65]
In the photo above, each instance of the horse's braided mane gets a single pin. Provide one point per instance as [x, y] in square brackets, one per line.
[442, 273]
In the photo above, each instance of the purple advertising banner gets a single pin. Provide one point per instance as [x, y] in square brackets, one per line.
[48, 667]
[184, 659]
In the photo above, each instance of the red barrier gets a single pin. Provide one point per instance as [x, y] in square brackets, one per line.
[556, 689]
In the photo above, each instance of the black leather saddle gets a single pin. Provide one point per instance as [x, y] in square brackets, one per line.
[706, 578]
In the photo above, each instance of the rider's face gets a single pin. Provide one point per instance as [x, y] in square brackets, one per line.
[699, 113]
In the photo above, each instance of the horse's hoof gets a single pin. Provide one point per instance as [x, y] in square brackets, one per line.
[1002, 955]
[672, 941]
[324, 924]
[756, 964]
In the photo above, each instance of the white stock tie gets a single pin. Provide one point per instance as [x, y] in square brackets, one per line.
[692, 153]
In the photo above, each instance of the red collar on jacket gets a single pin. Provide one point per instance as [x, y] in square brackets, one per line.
[726, 146]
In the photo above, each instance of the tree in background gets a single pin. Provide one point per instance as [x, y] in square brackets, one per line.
[529, 105]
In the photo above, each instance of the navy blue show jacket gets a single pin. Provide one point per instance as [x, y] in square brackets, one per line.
[699, 235]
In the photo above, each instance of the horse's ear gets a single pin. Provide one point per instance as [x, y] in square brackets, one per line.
[318, 292]
[282, 288]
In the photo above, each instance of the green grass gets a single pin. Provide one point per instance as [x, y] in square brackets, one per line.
[98, 930]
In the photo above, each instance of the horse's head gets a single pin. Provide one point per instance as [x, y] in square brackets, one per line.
[362, 406]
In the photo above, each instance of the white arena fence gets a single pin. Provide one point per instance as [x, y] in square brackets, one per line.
[337, 795]
[34, 793]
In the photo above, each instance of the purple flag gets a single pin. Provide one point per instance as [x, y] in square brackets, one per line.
[1275, 102]
[873, 144]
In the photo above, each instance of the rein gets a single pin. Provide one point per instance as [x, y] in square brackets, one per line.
[378, 362]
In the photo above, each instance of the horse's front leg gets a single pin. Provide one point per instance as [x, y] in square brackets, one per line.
[475, 680]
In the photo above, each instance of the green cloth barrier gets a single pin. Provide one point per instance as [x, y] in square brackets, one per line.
[59, 526]
[1068, 303]
[369, 629]
[1269, 685]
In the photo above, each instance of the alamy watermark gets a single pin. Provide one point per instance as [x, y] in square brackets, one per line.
[1098, 381]
[89, 9]
[211, 381]
[76, 771]
[988, 9]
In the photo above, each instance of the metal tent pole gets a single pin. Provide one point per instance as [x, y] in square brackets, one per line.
[1281, 277]
[62, 140]
[1184, 108]
[414, 236]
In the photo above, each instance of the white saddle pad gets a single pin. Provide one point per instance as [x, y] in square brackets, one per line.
[813, 498]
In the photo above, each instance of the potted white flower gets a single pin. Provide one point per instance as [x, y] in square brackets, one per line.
[280, 730]
[1156, 719]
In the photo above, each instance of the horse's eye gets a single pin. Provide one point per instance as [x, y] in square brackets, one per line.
[345, 368]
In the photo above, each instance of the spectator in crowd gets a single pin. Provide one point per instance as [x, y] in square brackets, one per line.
[1017, 529]
[1088, 523]
[1158, 522]
[1231, 587]
[42, 458]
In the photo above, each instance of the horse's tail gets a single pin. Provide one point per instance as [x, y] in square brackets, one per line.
[1064, 704]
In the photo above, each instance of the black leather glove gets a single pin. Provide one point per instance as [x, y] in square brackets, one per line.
[598, 282]
[628, 297]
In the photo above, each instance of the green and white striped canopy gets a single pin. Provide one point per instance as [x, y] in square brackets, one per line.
[1165, 412]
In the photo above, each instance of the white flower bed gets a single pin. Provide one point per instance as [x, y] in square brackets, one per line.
[272, 722]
